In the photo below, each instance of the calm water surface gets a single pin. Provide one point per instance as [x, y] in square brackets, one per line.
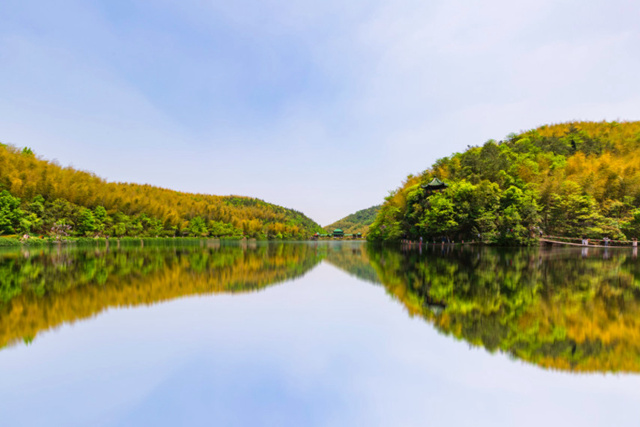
[326, 334]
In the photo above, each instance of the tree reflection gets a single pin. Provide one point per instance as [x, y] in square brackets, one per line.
[44, 288]
[560, 309]
[570, 310]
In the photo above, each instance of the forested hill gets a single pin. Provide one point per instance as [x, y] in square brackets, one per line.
[358, 222]
[41, 197]
[570, 179]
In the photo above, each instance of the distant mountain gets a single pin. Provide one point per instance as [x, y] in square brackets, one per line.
[358, 222]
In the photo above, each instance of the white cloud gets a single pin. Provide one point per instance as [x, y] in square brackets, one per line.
[318, 106]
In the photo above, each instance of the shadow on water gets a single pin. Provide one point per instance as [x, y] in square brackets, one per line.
[565, 309]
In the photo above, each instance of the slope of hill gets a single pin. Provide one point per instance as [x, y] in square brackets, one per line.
[38, 196]
[570, 179]
[358, 222]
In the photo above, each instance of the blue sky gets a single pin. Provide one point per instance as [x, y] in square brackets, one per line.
[320, 106]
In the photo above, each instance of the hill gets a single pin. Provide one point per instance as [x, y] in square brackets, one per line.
[570, 179]
[41, 197]
[358, 222]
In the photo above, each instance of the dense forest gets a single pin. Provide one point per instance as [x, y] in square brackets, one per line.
[578, 179]
[358, 222]
[42, 198]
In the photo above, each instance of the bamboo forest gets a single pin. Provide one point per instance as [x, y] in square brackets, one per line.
[42, 198]
[576, 179]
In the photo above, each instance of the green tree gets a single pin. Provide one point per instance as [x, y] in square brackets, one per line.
[220, 229]
[198, 227]
[101, 218]
[440, 218]
[10, 213]
[86, 222]
[37, 206]
[632, 227]
[119, 229]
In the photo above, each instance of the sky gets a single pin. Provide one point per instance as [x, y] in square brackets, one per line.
[320, 106]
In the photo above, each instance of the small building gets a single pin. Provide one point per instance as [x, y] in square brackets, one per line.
[338, 232]
[434, 185]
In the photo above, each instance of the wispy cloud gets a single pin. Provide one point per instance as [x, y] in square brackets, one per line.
[321, 106]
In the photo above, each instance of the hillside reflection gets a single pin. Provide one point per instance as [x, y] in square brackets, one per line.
[559, 309]
[41, 289]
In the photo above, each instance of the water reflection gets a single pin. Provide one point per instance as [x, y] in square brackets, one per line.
[40, 289]
[572, 310]
[562, 309]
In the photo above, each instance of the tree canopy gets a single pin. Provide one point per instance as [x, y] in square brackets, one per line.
[42, 197]
[570, 179]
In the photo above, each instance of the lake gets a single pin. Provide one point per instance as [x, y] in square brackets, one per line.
[318, 334]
